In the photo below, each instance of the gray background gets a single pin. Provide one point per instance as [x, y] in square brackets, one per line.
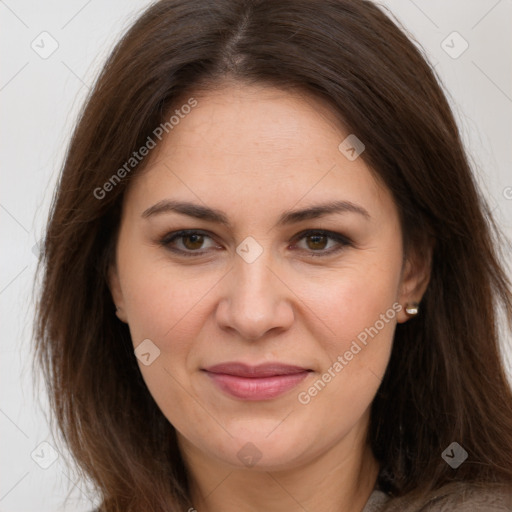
[40, 98]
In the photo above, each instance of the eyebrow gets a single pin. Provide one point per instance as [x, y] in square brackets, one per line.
[288, 217]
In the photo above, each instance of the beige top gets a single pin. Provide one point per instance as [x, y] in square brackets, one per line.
[451, 498]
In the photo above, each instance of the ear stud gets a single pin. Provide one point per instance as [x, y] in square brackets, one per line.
[412, 308]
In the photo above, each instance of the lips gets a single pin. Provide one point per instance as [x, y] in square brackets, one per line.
[262, 370]
[261, 382]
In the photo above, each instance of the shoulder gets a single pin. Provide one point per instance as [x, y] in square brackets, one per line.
[377, 502]
[456, 497]
[470, 498]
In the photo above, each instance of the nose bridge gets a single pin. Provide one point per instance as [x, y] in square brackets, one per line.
[255, 300]
[252, 266]
[253, 291]
[254, 280]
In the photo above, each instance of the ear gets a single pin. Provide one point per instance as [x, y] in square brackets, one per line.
[416, 271]
[117, 294]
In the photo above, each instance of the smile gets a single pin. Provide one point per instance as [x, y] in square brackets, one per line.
[263, 382]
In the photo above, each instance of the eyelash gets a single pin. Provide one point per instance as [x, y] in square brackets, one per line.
[342, 240]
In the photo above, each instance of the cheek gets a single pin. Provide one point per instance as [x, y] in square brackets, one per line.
[354, 301]
[164, 307]
[162, 302]
[360, 312]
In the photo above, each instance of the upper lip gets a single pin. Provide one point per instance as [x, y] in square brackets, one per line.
[261, 370]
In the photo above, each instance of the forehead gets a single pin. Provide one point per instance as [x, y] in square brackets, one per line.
[245, 143]
[259, 119]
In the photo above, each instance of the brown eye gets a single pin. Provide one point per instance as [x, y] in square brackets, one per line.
[317, 242]
[193, 241]
[188, 243]
[322, 243]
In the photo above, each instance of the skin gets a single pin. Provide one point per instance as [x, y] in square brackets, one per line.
[254, 152]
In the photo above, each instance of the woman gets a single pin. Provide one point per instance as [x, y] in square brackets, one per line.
[270, 282]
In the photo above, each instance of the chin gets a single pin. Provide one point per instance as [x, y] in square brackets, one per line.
[258, 450]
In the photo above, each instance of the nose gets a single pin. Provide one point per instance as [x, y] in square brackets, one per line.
[255, 299]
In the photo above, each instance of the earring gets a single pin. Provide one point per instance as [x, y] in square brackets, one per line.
[412, 308]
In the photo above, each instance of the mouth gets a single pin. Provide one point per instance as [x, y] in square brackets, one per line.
[262, 382]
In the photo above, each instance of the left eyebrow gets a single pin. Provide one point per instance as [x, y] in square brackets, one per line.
[313, 212]
[289, 217]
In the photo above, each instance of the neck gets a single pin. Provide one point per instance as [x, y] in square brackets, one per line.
[340, 479]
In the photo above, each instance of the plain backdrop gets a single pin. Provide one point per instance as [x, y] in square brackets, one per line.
[40, 96]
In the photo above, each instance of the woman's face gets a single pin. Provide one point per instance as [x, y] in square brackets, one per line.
[251, 170]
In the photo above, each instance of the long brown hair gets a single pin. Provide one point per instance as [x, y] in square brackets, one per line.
[445, 381]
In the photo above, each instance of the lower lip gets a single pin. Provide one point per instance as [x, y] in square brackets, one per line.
[263, 388]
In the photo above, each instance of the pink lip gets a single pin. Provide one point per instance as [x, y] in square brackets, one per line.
[261, 382]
